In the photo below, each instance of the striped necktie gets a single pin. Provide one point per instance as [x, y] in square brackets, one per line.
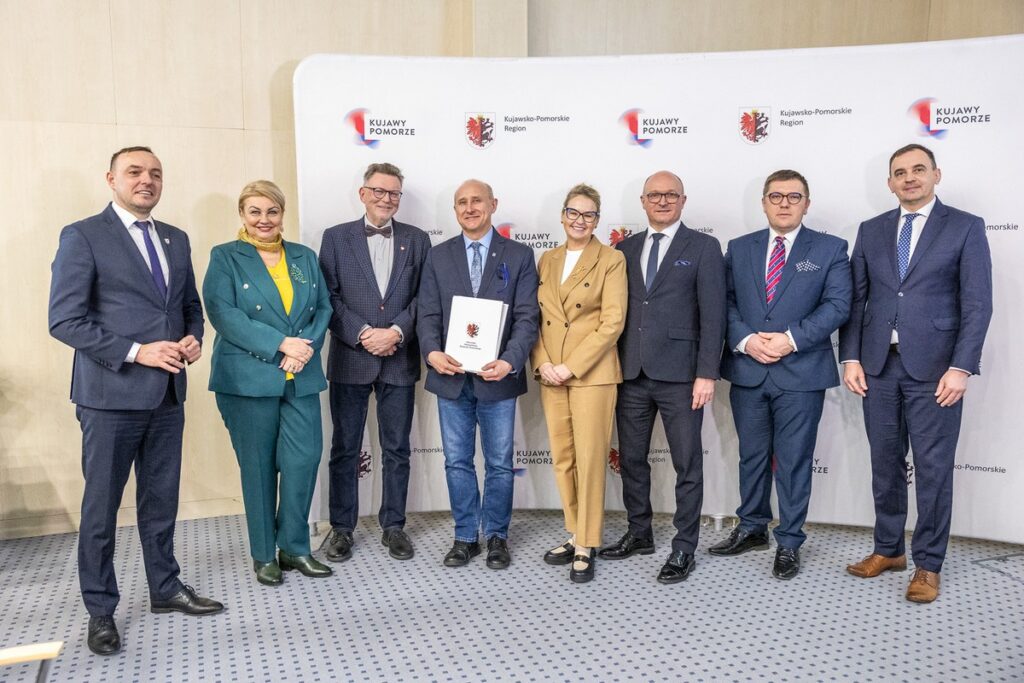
[775, 264]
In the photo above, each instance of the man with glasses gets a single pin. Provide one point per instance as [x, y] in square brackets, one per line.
[922, 274]
[788, 290]
[372, 267]
[670, 352]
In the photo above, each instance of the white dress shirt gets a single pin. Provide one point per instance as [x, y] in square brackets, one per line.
[915, 235]
[787, 243]
[663, 245]
[129, 219]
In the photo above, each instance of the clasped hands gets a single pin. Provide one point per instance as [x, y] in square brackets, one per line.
[556, 375]
[380, 341]
[297, 352]
[443, 364]
[168, 355]
[768, 347]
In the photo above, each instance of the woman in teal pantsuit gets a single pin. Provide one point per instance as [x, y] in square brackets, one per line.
[267, 301]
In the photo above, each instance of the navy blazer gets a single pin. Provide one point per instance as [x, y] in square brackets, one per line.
[674, 332]
[356, 300]
[943, 306]
[811, 301]
[245, 308]
[102, 299]
[510, 275]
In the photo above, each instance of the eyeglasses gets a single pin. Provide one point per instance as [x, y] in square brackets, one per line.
[379, 192]
[793, 197]
[669, 197]
[572, 215]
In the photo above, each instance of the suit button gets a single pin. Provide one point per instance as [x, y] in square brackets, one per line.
[300, 330]
[899, 294]
[579, 305]
[245, 285]
[586, 284]
[541, 303]
[567, 324]
[547, 322]
[258, 307]
[645, 303]
[314, 285]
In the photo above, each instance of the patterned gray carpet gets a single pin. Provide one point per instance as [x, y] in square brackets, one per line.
[378, 619]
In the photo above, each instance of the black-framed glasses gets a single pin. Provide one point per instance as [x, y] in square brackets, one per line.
[793, 197]
[669, 197]
[379, 192]
[572, 215]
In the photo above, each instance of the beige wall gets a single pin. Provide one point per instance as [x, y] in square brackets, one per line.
[207, 84]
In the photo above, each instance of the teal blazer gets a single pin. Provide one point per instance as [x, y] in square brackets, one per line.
[244, 307]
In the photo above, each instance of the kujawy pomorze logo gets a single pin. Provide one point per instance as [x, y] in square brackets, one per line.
[754, 124]
[370, 129]
[480, 130]
[472, 330]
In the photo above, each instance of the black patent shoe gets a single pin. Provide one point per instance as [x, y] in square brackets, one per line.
[678, 566]
[306, 564]
[186, 601]
[740, 541]
[587, 573]
[103, 638]
[268, 573]
[787, 563]
[560, 555]
[626, 546]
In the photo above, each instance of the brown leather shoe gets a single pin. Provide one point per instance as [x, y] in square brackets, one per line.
[924, 587]
[874, 564]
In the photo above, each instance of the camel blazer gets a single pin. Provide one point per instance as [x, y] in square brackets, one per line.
[582, 318]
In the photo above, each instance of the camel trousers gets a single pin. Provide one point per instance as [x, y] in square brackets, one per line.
[579, 422]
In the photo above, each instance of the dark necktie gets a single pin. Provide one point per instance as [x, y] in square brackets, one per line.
[476, 271]
[652, 260]
[776, 263]
[154, 260]
[903, 244]
[384, 232]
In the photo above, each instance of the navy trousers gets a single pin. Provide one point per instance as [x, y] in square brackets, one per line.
[639, 401]
[112, 441]
[900, 411]
[777, 430]
[349, 404]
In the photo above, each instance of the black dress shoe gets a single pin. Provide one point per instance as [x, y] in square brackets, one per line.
[337, 546]
[103, 637]
[306, 564]
[740, 541]
[187, 602]
[560, 555]
[498, 556]
[787, 563]
[585, 574]
[268, 573]
[628, 545]
[461, 553]
[399, 545]
[677, 567]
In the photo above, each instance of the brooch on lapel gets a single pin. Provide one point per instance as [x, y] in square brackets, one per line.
[806, 266]
[504, 276]
[297, 274]
[681, 262]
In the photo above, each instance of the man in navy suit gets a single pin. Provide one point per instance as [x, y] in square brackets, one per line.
[788, 291]
[123, 295]
[922, 301]
[478, 263]
[670, 352]
[372, 268]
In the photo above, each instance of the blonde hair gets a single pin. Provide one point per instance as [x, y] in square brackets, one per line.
[583, 190]
[261, 188]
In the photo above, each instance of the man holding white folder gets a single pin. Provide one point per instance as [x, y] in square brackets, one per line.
[478, 264]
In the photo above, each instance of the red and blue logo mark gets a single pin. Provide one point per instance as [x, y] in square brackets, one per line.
[357, 117]
[631, 119]
[505, 230]
[922, 111]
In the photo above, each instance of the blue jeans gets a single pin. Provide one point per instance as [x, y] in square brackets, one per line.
[459, 418]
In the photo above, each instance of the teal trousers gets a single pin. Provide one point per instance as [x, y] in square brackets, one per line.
[278, 442]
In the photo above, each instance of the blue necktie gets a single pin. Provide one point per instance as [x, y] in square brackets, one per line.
[154, 260]
[903, 244]
[652, 261]
[476, 271]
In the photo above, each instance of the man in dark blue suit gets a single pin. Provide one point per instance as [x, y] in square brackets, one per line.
[788, 291]
[372, 268]
[922, 302]
[478, 263]
[123, 295]
[670, 352]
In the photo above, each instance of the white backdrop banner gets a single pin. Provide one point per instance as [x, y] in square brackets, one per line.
[532, 128]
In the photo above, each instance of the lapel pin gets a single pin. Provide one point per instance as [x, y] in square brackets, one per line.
[402, 248]
[167, 240]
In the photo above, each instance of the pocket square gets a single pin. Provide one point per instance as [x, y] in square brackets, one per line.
[681, 262]
[806, 266]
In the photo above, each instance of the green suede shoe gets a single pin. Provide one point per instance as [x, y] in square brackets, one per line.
[268, 573]
[304, 563]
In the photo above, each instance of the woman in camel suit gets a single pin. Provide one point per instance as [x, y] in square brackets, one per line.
[582, 296]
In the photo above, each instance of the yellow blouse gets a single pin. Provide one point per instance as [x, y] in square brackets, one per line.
[279, 274]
